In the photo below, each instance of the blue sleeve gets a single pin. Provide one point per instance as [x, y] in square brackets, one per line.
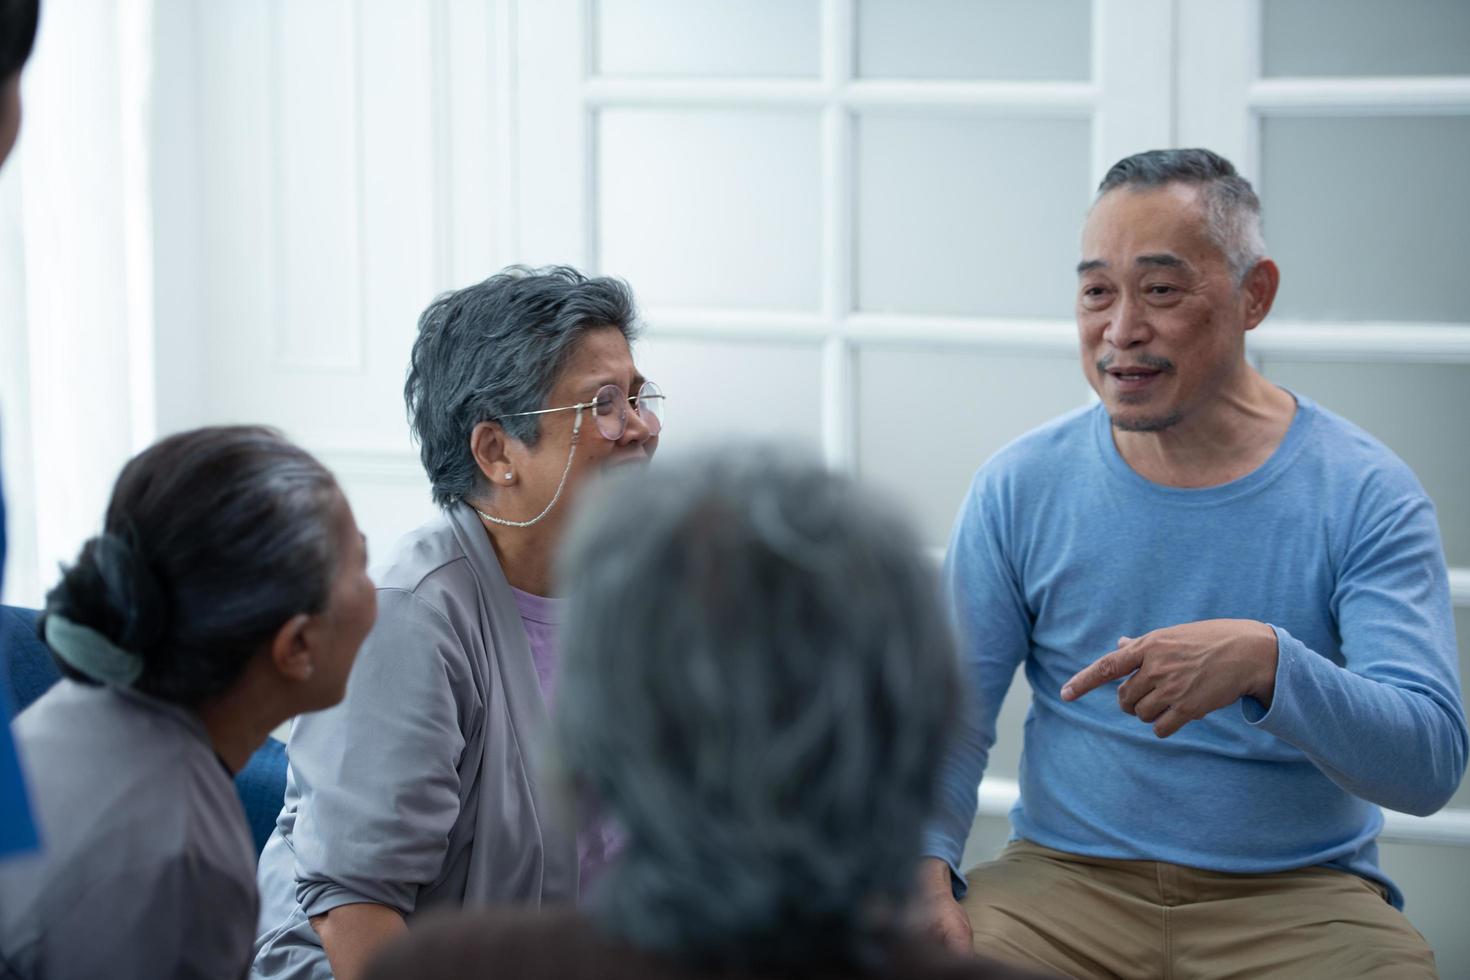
[17, 829]
[994, 631]
[1389, 725]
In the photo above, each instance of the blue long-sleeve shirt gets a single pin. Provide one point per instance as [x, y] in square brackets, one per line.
[1060, 548]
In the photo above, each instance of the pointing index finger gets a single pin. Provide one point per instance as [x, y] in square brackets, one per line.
[1108, 667]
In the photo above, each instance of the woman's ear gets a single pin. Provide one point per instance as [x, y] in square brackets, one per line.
[291, 649]
[489, 445]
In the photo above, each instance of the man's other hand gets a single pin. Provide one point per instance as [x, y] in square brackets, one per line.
[937, 916]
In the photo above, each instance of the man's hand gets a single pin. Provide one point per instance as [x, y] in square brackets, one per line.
[1182, 673]
[937, 916]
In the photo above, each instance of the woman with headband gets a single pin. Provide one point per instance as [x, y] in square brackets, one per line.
[227, 592]
[423, 788]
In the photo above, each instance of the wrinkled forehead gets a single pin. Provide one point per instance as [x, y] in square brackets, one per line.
[1126, 223]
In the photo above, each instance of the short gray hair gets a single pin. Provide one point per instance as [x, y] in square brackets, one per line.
[1232, 209]
[759, 682]
[497, 348]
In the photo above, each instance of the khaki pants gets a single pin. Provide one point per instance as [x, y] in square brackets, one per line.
[1095, 917]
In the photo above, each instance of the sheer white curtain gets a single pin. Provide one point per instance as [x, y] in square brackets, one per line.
[76, 298]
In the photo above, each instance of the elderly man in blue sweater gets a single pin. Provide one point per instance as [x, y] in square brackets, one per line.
[1234, 614]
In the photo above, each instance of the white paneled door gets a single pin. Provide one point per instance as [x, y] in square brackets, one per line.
[351, 159]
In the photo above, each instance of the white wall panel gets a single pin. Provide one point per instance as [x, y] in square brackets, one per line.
[334, 262]
[406, 234]
[388, 492]
[238, 315]
[180, 335]
[972, 215]
[552, 138]
[1013, 40]
[753, 38]
[928, 418]
[721, 392]
[711, 208]
[80, 248]
[330, 222]
[474, 159]
[313, 76]
[1365, 37]
[1387, 236]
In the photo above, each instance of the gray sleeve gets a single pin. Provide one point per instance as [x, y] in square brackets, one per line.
[378, 774]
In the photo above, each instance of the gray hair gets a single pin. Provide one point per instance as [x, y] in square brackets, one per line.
[1232, 209]
[494, 349]
[759, 681]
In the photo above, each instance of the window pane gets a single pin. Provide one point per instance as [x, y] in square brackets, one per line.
[694, 372]
[711, 208]
[752, 38]
[1365, 37]
[1369, 217]
[928, 418]
[1418, 410]
[1014, 40]
[970, 215]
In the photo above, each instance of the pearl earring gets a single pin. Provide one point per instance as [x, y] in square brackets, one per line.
[507, 476]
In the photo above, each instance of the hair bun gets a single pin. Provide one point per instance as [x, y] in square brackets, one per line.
[114, 590]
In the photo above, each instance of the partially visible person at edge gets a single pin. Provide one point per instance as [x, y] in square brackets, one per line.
[18, 20]
[1233, 610]
[227, 592]
[423, 788]
[759, 685]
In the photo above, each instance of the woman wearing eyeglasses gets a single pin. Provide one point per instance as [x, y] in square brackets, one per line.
[423, 788]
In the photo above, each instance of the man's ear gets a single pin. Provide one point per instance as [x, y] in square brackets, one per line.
[489, 445]
[291, 649]
[1260, 288]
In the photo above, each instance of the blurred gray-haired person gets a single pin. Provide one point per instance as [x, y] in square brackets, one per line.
[759, 687]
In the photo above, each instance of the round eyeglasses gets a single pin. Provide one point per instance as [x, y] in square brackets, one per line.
[609, 407]
[610, 411]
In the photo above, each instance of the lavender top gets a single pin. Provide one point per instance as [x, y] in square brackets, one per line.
[598, 839]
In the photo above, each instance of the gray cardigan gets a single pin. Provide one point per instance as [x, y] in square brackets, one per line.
[422, 788]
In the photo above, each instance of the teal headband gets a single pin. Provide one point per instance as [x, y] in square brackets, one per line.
[92, 653]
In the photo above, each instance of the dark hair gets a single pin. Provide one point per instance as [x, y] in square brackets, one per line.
[213, 539]
[1232, 209]
[759, 682]
[496, 348]
[18, 20]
